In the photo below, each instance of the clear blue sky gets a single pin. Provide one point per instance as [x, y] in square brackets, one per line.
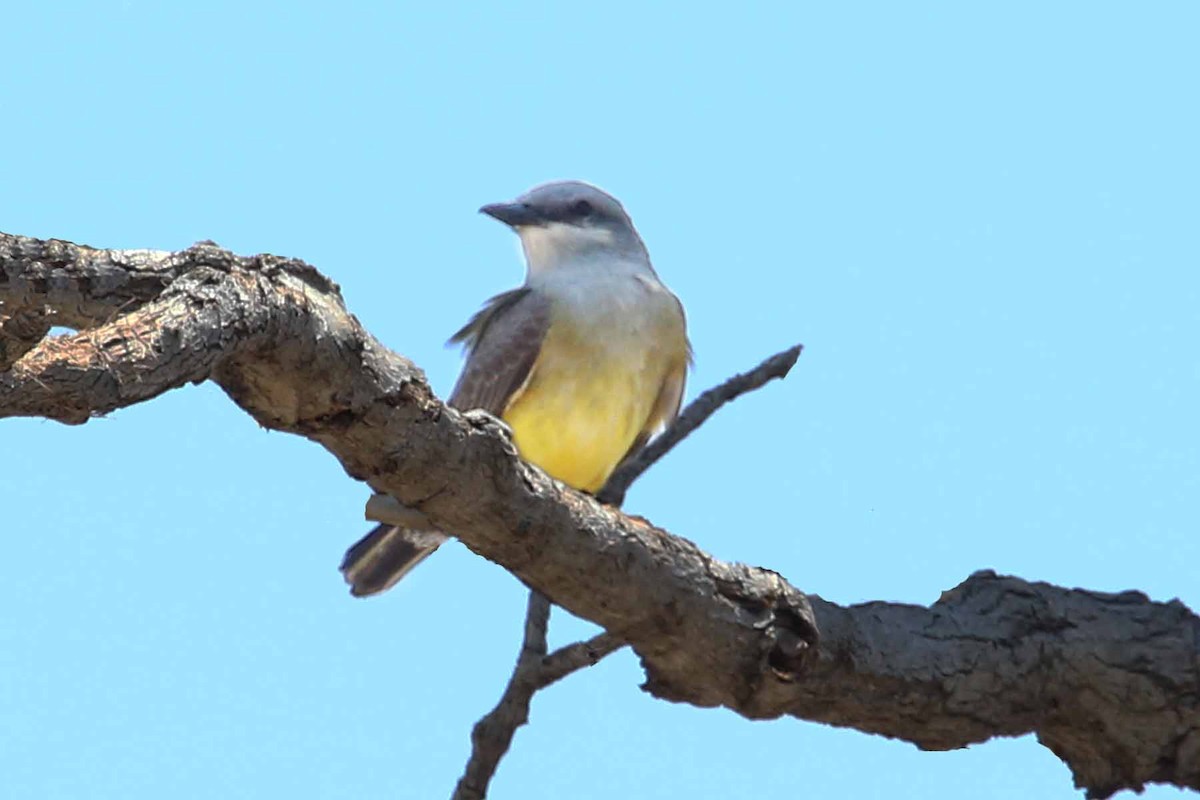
[980, 220]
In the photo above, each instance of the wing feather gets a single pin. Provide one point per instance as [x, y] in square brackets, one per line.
[503, 341]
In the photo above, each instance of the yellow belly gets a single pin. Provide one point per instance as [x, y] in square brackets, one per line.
[577, 424]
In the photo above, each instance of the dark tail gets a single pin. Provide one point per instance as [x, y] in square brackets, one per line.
[384, 556]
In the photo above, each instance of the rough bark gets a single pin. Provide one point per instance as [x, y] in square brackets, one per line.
[1111, 683]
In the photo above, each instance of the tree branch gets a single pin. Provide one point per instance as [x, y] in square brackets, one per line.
[565, 660]
[1111, 683]
[492, 735]
[20, 331]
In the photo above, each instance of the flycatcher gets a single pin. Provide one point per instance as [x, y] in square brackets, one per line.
[584, 363]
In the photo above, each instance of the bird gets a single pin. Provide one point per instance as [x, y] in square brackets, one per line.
[584, 363]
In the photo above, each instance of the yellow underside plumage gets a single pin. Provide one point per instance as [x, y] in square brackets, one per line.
[574, 440]
[585, 404]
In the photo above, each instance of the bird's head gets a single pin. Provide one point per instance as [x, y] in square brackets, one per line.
[567, 222]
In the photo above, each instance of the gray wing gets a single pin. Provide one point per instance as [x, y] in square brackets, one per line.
[503, 341]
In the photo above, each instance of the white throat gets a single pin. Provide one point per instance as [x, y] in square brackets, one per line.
[557, 245]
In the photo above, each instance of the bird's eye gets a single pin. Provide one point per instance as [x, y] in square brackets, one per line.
[582, 208]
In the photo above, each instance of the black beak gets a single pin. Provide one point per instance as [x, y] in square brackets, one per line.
[513, 214]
